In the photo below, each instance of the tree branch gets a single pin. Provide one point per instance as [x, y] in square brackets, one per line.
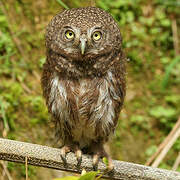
[166, 148]
[48, 157]
[176, 163]
[164, 143]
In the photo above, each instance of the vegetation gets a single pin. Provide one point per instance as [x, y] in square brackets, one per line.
[152, 104]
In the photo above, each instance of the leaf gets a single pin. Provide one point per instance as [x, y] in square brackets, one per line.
[174, 99]
[2, 19]
[89, 176]
[169, 68]
[137, 119]
[105, 161]
[160, 111]
[68, 178]
[151, 150]
[165, 22]
[62, 4]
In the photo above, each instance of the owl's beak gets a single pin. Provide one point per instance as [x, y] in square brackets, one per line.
[83, 45]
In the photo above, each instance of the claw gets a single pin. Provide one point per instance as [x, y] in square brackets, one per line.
[78, 153]
[110, 166]
[99, 152]
[95, 161]
[63, 157]
[64, 151]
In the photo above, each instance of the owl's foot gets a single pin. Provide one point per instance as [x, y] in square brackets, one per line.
[110, 165]
[70, 148]
[96, 158]
[100, 153]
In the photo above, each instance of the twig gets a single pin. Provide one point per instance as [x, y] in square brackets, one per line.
[36, 75]
[177, 162]
[163, 144]
[6, 171]
[44, 156]
[175, 36]
[166, 148]
[25, 88]
[26, 164]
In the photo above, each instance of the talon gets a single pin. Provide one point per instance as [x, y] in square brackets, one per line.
[95, 161]
[110, 166]
[78, 156]
[63, 157]
[64, 151]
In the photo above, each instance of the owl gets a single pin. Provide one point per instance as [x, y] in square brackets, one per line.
[83, 80]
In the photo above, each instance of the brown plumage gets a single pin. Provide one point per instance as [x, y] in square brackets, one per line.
[83, 79]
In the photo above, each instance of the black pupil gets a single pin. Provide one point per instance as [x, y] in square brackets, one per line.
[96, 35]
[70, 33]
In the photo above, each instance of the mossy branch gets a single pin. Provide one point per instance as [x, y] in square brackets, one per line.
[48, 157]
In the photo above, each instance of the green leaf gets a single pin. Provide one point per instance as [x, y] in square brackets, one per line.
[169, 69]
[105, 161]
[151, 150]
[89, 176]
[2, 19]
[137, 118]
[68, 178]
[62, 4]
[160, 111]
[174, 99]
[165, 22]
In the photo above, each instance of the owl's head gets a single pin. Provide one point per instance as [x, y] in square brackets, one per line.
[83, 33]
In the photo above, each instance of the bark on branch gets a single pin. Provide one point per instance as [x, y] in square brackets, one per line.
[48, 157]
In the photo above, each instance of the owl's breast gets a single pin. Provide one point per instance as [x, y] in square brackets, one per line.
[84, 107]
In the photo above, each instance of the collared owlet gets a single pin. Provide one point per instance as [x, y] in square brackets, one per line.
[83, 80]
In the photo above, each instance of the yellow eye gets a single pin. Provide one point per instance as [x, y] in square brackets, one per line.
[97, 35]
[69, 34]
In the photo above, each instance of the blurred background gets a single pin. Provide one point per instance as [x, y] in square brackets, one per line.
[152, 106]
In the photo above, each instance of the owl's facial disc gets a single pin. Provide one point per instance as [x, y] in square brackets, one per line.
[83, 34]
[81, 42]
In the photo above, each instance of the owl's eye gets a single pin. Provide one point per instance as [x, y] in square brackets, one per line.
[69, 34]
[97, 35]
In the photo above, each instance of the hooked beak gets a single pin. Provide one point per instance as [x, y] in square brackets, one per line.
[83, 45]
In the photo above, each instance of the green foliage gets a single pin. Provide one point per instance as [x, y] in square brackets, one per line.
[22, 169]
[68, 178]
[170, 69]
[140, 122]
[62, 4]
[87, 176]
[167, 116]
[151, 150]
[159, 112]
[105, 161]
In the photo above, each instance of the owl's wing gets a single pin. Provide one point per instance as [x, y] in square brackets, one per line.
[46, 80]
[119, 84]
